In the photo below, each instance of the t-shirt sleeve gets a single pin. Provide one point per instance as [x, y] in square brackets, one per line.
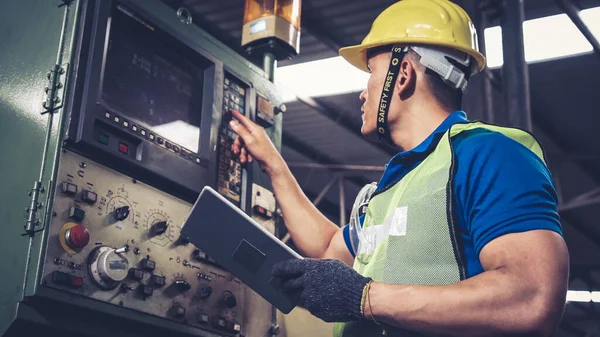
[502, 187]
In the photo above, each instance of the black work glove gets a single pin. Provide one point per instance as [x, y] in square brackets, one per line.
[329, 289]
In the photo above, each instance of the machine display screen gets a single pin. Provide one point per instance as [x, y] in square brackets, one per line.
[151, 81]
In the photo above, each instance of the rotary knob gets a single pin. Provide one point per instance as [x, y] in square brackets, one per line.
[122, 213]
[229, 300]
[182, 285]
[161, 227]
[205, 292]
[77, 237]
[108, 267]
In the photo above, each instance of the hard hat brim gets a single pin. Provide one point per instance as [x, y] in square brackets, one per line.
[357, 55]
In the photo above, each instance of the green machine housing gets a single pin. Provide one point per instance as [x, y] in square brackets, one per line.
[113, 116]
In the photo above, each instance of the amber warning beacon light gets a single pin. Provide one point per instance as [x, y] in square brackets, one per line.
[272, 26]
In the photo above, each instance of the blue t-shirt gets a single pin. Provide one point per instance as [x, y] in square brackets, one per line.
[500, 187]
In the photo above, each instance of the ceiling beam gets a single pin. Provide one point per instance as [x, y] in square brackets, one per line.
[574, 14]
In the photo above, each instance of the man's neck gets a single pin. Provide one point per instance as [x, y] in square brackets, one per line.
[417, 124]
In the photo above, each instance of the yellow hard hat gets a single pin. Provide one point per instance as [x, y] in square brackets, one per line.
[419, 22]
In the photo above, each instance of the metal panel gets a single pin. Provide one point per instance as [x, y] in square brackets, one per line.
[30, 32]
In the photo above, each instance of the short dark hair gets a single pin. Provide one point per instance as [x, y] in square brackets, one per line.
[445, 93]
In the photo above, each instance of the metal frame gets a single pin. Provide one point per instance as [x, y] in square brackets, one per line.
[571, 9]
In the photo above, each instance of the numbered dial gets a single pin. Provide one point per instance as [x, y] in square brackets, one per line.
[108, 267]
[120, 209]
[159, 228]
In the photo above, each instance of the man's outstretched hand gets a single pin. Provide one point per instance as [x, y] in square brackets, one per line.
[329, 289]
[253, 143]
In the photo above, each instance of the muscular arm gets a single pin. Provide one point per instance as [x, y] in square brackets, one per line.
[314, 235]
[311, 231]
[521, 292]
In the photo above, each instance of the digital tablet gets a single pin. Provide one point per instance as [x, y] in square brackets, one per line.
[238, 243]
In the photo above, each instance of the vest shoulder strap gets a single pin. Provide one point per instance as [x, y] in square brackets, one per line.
[521, 136]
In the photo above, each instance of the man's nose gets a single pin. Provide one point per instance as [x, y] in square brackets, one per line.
[363, 95]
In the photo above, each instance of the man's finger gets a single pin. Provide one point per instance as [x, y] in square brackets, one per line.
[250, 159]
[245, 121]
[241, 131]
[289, 268]
[243, 156]
[292, 284]
[235, 147]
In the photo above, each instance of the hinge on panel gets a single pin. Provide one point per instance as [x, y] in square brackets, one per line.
[34, 205]
[54, 92]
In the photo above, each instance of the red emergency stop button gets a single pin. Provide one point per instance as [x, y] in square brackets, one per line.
[77, 237]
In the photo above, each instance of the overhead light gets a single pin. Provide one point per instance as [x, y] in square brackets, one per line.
[545, 38]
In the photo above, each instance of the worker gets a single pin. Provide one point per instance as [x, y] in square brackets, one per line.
[461, 236]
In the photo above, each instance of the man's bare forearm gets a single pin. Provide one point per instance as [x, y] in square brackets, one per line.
[309, 228]
[493, 303]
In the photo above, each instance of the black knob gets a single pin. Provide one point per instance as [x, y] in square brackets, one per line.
[182, 285]
[229, 300]
[161, 227]
[184, 239]
[178, 311]
[205, 292]
[122, 213]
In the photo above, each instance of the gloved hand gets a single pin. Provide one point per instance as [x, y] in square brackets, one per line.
[329, 289]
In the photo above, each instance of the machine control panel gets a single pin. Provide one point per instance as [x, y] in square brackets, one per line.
[117, 240]
[229, 180]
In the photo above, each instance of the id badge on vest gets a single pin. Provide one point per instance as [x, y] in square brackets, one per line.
[366, 237]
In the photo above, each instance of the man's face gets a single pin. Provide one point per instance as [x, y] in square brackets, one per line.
[378, 64]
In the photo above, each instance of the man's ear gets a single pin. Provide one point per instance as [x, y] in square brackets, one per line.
[407, 79]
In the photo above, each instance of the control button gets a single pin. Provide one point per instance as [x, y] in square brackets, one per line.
[198, 160]
[227, 82]
[199, 255]
[125, 288]
[89, 196]
[176, 148]
[107, 115]
[151, 136]
[146, 291]
[68, 188]
[65, 279]
[103, 138]
[203, 318]
[160, 140]
[182, 285]
[117, 119]
[76, 214]
[184, 239]
[136, 274]
[229, 300]
[143, 132]
[157, 280]
[205, 292]
[122, 213]
[134, 127]
[124, 148]
[161, 227]
[168, 145]
[237, 327]
[148, 264]
[126, 124]
[221, 323]
[77, 237]
[178, 311]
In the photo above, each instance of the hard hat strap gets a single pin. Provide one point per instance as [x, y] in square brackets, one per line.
[383, 128]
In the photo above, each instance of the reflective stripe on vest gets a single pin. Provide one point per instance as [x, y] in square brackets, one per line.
[410, 231]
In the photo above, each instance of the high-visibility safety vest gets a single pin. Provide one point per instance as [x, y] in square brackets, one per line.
[410, 233]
